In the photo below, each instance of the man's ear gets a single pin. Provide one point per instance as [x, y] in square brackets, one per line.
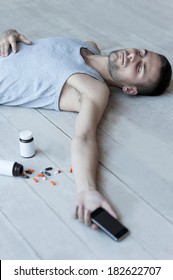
[131, 90]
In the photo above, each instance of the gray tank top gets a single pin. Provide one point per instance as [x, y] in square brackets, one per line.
[35, 75]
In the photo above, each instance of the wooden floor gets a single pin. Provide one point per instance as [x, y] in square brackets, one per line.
[135, 139]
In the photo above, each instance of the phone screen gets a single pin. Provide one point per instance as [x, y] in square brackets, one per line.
[108, 224]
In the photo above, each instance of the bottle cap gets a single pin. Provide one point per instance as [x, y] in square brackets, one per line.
[17, 169]
[25, 135]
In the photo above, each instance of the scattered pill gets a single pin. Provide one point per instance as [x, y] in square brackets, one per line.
[30, 169]
[71, 170]
[57, 172]
[35, 180]
[53, 183]
[47, 173]
[28, 172]
[48, 168]
[40, 175]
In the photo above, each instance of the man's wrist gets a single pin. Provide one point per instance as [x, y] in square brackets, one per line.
[86, 188]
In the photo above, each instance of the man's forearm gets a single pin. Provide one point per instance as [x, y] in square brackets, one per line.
[84, 154]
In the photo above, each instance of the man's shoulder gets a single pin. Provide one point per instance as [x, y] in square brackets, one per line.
[93, 45]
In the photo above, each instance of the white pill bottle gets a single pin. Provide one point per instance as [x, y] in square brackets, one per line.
[26, 141]
[10, 168]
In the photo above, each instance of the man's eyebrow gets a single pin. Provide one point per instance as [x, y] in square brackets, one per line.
[145, 54]
[144, 68]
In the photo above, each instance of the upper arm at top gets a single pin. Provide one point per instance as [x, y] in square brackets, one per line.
[90, 114]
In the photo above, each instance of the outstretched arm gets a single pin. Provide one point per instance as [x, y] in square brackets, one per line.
[85, 156]
[9, 39]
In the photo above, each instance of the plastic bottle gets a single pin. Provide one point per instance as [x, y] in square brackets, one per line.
[27, 149]
[10, 168]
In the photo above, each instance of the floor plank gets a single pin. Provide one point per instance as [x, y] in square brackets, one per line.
[12, 243]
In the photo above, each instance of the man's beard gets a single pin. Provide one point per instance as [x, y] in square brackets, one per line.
[113, 69]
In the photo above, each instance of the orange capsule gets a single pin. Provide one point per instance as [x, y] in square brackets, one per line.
[40, 175]
[53, 183]
[35, 180]
[71, 170]
[30, 169]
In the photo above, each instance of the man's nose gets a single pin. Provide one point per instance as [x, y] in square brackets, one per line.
[133, 55]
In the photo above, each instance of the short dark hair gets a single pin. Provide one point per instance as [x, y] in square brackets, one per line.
[161, 84]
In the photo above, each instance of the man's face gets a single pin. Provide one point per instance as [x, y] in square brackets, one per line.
[132, 66]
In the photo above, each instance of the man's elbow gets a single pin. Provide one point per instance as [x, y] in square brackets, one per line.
[86, 136]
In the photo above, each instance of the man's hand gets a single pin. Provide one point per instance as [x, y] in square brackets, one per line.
[88, 201]
[9, 39]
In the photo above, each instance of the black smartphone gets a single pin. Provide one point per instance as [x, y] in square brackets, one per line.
[108, 224]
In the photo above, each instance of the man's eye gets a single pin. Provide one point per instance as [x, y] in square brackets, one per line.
[139, 68]
[140, 53]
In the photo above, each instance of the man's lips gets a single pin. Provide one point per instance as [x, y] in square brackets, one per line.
[124, 59]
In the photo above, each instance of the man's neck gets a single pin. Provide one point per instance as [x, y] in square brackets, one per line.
[99, 63]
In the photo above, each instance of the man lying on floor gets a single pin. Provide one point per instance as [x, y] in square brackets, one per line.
[71, 75]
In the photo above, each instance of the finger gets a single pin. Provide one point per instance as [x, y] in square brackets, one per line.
[87, 218]
[81, 214]
[109, 209]
[75, 214]
[6, 49]
[2, 50]
[24, 40]
[14, 46]
[95, 227]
